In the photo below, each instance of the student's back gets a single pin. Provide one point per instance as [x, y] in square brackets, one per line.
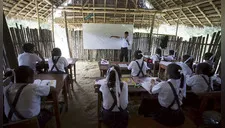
[139, 66]
[57, 63]
[201, 81]
[28, 58]
[156, 56]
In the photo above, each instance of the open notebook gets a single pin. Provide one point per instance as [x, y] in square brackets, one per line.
[148, 83]
[45, 82]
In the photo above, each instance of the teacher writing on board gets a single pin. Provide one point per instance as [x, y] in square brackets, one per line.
[124, 46]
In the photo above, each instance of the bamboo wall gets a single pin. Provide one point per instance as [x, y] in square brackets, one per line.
[21, 35]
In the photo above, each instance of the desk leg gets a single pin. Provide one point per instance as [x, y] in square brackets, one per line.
[65, 94]
[56, 110]
[74, 68]
[71, 76]
[99, 108]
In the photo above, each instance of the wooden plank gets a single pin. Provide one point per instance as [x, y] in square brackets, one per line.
[152, 27]
[216, 42]
[201, 50]
[212, 40]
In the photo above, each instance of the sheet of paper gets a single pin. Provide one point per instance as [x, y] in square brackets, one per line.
[148, 83]
[104, 62]
[129, 81]
[37, 81]
[123, 65]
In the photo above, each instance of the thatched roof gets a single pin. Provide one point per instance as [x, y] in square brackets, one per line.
[190, 12]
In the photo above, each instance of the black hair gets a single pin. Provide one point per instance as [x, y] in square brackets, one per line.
[171, 52]
[207, 56]
[204, 68]
[56, 52]
[189, 62]
[138, 54]
[173, 71]
[24, 74]
[158, 51]
[126, 32]
[28, 47]
[112, 76]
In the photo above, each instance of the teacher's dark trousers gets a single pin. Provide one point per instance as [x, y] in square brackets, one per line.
[124, 54]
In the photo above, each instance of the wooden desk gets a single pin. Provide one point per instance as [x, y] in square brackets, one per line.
[104, 67]
[61, 84]
[131, 90]
[162, 69]
[72, 64]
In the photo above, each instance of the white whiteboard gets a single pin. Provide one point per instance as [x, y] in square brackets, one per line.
[97, 36]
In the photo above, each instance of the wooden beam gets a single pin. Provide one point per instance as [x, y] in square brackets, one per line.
[204, 16]
[217, 10]
[195, 16]
[177, 25]
[187, 18]
[53, 37]
[14, 7]
[38, 27]
[151, 31]
[125, 17]
[87, 1]
[67, 34]
[115, 10]
[33, 9]
[104, 10]
[186, 5]
[82, 11]
[41, 9]
[24, 8]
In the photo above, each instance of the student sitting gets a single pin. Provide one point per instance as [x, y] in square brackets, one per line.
[22, 99]
[115, 99]
[170, 57]
[201, 82]
[157, 56]
[28, 58]
[57, 64]
[170, 97]
[139, 66]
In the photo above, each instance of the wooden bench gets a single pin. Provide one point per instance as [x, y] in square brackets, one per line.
[28, 123]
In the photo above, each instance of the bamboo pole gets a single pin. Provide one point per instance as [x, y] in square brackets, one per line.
[67, 35]
[152, 27]
[177, 25]
[53, 37]
[38, 20]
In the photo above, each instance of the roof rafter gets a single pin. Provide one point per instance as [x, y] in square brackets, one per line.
[41, 9]
[104, 10]
[14, 7]
[125, 16]
[195, 16]
[24, 8]
[165, 12]
[93, 9]
[115, 10]
[204, 16]
[32, 9]
[217, 10]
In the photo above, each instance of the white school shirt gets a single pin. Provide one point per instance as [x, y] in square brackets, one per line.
[29, 102]
[61, 64]
[198, 84]
[155, 58]
[135, 69]
[168, 58]
[124, 42]
[165, 93]
[28, 59]
[108, 99]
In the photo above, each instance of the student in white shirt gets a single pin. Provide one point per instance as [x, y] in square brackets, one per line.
[157, 56]
[139, 66]
[28, 58]
[170, 57]
[201, 82]
[115, 99]
[170, 97]
[124, 46]
[28, 104]
[209, 58]
[57, 64]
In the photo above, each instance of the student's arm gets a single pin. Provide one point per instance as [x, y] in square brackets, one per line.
[130, 66]
[128, 42]
[41, 57]
[115, 37]
[190, 80]
[156, 88]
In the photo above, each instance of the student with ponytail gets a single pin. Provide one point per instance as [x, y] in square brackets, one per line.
[170, 97]
[115, 99]
[57, 63]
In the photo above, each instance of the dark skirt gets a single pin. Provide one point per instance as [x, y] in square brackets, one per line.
[43, 117]
[169, 117]
[115, 119]
[149, 107]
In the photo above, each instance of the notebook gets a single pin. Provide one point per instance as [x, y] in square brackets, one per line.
[148, 83]
[128, 80]
[123, 65]
[45, 82]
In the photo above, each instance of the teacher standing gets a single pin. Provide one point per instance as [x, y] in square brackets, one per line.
[124, 46]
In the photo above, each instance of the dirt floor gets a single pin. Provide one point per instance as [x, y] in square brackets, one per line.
[83, 104]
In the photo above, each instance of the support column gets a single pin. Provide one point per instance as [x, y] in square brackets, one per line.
[67, 35]
[177, 25]
[53, 37]
[152, 27]
[38, 27]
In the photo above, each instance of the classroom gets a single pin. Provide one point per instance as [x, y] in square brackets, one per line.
[113, 64]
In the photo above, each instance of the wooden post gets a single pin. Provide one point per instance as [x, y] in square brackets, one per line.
[67, 35]
[8, 45]
[38, 20]
[223, 63]
[177, 25]
[53, 38]
[152, 27]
